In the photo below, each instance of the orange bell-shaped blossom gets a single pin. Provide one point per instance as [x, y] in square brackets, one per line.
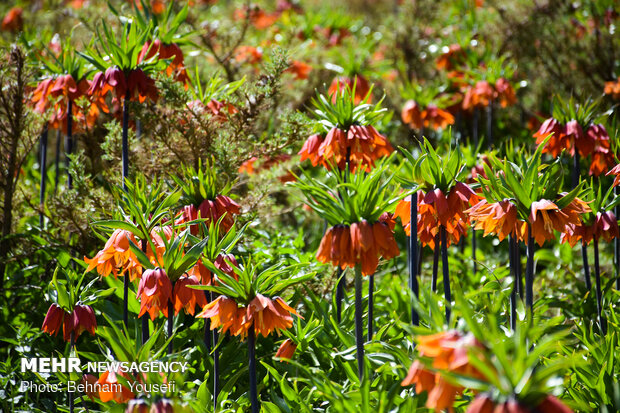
[412, 115]
[499, 218]
[449, 353]
[186, 298]
[545, 217]
[360, 243]
[604, 227]
[612, 88]
[13, 20]
[227, 315]
[154, 292]
[286, 350]
[115, 257]
[211, 211]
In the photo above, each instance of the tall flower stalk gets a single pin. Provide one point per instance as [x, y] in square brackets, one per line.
[361, 226]
[128, 79]
[441, 203]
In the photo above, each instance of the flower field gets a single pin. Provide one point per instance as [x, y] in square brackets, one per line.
[310, 206]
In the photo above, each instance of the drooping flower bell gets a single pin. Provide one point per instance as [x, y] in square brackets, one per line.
[135, 85]
[546, 217]
[115, 257]
[612, 88]
[266, 315]
[286, 350]
[499, 218]
[211, 211]
[449, 352]
[176, 68]
[187, 298]
[603, 227]
[154, 292]
[53, 320]
[360, 243]
[13, 20]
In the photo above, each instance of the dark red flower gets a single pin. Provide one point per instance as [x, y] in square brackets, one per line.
[187, 298]
[154, 292]
[53, 320]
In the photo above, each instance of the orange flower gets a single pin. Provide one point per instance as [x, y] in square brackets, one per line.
[412, 115]
[225, 313]
[364, 144]
[340, 83]
[115, 256]
[286, 350]
[612, 88]
[257, 16]
[449, 353]
[436, 118]
[268, 315]
[53, 320]
[361, 243]
[247, 167]
[154, 291]
[248, 54]
[300, 70]
[546, 217]
[505, 93]
[435, 209]
[446, 60]
[108, 386]
[605, 226]
[498, 218]
[176, 69]
[13, 20]
[615, 171]
[479, 95]
[211, 211]
[187, 298]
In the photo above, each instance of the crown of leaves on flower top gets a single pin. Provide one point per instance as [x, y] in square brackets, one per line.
[202, 183]
[339, 110]
[71, 299]
[525, 181]
[118, 58]
[429, 171]
[249, 299]
[67, 62]
[535, 190]
[165, 26]
[599, 222]
[363, 196]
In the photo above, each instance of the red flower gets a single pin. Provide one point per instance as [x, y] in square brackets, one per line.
[176, 69]
[286, 350]
[154, 291]
[558, 142]
[479, 95]
[211, 211]
[546, 217]
[83, 320]
[362, 88]
[13, 20]
[136, 85]
[53, 320]
[412, 115]
[605, 226]
[187, 298]
[551, 404]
